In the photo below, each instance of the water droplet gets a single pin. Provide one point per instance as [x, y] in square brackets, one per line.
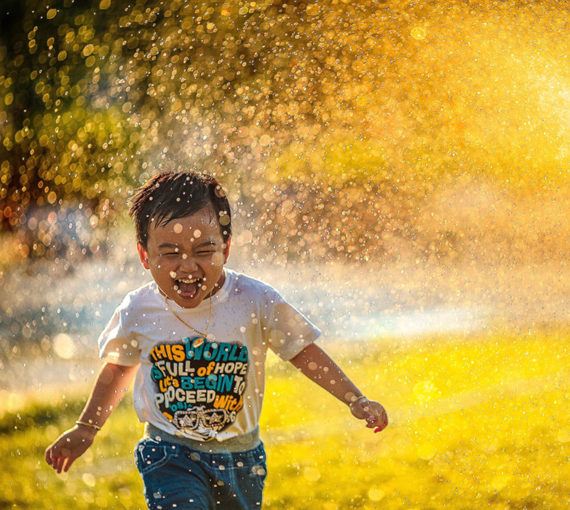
[88, 479]
[64, 346]
[419, 33]
[375, 494]
[312, 474]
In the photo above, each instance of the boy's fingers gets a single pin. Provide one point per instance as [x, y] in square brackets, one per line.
[67, 464]
[372, 417]
[52, 456]
[59, 464]
[380, 419]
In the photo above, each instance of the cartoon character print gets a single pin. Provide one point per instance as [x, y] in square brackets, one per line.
[200, 384]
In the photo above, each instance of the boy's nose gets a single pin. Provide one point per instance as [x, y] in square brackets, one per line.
[187, 265]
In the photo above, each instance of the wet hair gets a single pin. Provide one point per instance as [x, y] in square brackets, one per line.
[171, 195]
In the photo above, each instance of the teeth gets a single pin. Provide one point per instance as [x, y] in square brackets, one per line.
[194, 280]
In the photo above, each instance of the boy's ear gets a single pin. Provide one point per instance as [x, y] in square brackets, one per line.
[227, 249]
[143, 255]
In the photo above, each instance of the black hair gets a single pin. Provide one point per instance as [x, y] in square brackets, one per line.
[171, 195]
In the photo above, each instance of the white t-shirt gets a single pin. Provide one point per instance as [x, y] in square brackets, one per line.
[201, 388]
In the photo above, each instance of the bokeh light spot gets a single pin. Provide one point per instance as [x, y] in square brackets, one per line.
[63, 346]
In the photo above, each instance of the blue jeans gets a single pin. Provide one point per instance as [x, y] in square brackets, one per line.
[178, 477]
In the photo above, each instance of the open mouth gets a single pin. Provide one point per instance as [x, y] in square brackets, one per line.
[188, 287]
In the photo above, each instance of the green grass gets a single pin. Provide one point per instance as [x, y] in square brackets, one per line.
[475, 423]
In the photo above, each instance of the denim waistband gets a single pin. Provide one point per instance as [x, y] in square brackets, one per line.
[240, 443]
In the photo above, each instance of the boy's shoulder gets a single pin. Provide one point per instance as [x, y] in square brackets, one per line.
[145, 294]
[244, 283]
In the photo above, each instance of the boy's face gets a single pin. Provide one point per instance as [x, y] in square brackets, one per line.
[186, 257]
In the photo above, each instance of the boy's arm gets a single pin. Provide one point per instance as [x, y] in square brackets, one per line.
[320, 368]
[112, 383]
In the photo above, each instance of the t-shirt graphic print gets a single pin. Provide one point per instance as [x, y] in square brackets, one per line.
[199, 383]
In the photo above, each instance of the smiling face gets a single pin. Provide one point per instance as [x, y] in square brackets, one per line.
[186, 257]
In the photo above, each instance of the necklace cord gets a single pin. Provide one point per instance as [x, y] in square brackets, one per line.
[201, 333]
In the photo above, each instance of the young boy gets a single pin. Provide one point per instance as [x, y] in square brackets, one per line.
[196, 337]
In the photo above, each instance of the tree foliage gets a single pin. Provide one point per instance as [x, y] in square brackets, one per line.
[96, 96]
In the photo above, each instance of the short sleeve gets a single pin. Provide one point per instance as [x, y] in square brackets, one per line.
[286, 330]
[117, 342]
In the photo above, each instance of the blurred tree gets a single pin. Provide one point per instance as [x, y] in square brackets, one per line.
[376, 100]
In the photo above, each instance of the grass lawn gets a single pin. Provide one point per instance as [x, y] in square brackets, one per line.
[475, 423]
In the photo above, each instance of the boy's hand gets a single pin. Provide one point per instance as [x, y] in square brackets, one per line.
[69, 446]
[371, 411]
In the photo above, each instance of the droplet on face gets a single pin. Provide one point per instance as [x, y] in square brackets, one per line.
[313, 365]
[184, 256]
[177, 228]
[172, 274]
[197, 233]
